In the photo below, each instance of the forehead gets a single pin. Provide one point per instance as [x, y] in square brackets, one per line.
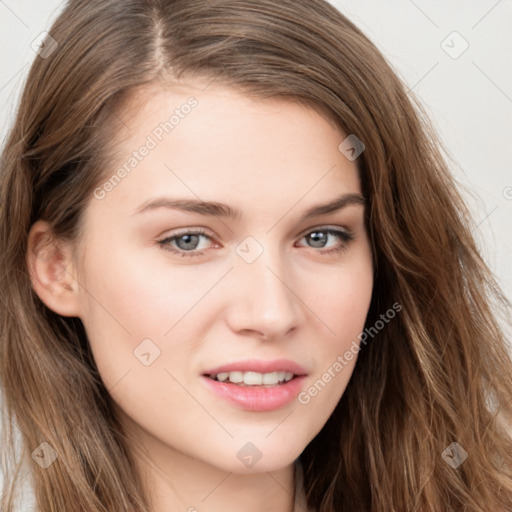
[216, 143]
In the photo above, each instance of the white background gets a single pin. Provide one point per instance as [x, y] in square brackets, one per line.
[469, 97]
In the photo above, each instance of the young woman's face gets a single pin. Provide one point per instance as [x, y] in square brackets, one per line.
[272, 290]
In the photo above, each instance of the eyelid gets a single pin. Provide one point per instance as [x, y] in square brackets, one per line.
[325, 227]
[187, 230]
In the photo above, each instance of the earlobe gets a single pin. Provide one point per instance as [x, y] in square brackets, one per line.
[51, 269]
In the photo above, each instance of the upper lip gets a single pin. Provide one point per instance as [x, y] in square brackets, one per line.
[259, 366]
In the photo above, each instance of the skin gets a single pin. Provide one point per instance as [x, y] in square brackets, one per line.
[273, 160]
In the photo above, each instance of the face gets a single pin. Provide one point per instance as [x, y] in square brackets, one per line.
[209, 259]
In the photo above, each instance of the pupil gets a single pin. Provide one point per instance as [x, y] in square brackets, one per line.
[318, 236]
[189, 239]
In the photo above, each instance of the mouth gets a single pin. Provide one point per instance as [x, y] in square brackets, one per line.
[253, 379]
[256, 385]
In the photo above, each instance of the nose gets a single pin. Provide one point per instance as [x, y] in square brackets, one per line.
[263, 300]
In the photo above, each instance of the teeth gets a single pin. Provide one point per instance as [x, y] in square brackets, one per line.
[235, 377]
[254, 378]
[222, 376]
[269, 378]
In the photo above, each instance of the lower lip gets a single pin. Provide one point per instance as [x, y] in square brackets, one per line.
[257, 399]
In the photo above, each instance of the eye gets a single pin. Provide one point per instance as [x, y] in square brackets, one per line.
[185, 243]
[319, 239]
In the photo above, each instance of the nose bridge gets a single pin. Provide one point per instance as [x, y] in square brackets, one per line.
[266, 297]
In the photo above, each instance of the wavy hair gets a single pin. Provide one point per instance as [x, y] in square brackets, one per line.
[439, 373]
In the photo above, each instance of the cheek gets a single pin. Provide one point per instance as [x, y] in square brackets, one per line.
[127, 301]
[343, 302]
[342, 309]
[145, 296]
[342, 306]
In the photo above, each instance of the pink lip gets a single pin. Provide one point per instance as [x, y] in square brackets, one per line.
[257, 398]
[260, 366]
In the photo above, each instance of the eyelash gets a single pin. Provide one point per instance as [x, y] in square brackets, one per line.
[345, 236]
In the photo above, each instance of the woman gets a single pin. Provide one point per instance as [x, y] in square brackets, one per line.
[238, 274]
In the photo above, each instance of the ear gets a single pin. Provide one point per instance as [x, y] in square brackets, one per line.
[52, 270]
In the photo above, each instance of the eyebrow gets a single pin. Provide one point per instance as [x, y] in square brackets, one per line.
[216, 209]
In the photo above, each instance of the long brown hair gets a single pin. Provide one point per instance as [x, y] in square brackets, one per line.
[439, 373]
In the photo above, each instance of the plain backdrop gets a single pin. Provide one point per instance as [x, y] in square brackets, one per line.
[455, 56]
